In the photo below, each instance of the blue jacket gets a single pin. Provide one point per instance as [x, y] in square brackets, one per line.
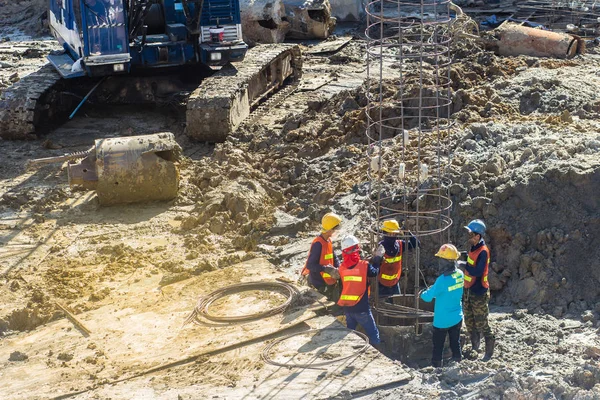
[314, 266]
[477, 270]
[363, 303]
[447, 292]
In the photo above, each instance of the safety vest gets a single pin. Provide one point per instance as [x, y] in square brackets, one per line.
[326, 259]
[391, 268]
[471, 260]
[354, 284]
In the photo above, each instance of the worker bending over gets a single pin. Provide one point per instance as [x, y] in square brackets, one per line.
[391, 267]
[477, 294]
[321, 265]
[447, 312]
[354, 274]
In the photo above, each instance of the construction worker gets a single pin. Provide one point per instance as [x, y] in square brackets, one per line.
[477, 294]
[321, 265]
[354, 274]
[448, 312]
[391, 267]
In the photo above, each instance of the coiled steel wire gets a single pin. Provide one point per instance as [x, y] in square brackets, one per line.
[202, 308]
[267, 358]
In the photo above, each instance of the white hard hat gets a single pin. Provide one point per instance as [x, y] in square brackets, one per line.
[349, 241]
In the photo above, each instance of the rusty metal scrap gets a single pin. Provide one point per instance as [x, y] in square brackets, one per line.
[511, 39]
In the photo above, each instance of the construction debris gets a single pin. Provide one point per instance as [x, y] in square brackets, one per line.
[263, 21]
[267, 21]
[513, 40]
[130, 169]
[309, 19]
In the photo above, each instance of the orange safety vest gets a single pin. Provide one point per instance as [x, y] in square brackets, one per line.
[326, 259]
[391, 268]
[471, 260]
[354, 283]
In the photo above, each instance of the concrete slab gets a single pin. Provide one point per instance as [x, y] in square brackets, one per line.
[129, 338]
[242, 374]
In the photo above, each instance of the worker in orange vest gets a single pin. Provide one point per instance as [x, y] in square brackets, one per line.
[354, 274]
[476, 295]
[391, 267]
[321, 265]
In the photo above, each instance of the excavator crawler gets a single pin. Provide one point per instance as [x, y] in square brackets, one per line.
[128, 48]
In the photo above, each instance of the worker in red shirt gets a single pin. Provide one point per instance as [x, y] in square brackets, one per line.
[354, 275]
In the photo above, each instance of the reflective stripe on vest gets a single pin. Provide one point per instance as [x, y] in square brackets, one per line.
[458, 281]
[326, 259]
[353, 279]
[471, 260]
[354, 284]
[391, 268]
[393, 259]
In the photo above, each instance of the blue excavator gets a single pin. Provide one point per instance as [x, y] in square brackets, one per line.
[134, 47]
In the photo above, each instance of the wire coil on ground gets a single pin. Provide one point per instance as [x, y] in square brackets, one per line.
[202, 308]
[267, 359]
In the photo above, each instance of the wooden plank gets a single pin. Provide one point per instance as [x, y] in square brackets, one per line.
[329, 46]
[74, 319]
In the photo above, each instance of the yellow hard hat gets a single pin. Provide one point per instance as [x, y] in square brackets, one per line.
[330, 221]
[448, 251]
[390, 226]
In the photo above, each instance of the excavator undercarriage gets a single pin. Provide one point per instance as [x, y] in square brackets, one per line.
[215, 107]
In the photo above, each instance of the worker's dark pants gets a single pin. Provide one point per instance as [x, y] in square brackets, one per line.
[385, 291]
[439, 338]
[366, 320]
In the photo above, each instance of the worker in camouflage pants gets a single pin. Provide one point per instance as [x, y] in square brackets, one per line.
[476, 314]
[476, 295]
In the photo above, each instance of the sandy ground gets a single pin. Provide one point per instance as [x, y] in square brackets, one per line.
[525, 158]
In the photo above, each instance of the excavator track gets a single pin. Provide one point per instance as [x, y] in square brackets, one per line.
[25, 103]
[225, 100]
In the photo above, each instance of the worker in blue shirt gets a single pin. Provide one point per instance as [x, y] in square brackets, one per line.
[477, 289]
[448, 312]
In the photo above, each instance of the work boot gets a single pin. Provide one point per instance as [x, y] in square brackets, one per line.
[475, 340]
[489, 348]
[436, 364]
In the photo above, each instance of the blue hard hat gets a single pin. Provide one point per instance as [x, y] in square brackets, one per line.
[476, 226]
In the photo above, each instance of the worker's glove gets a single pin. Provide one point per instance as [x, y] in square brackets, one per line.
[335, 274]
[461, 264]
[379, 252]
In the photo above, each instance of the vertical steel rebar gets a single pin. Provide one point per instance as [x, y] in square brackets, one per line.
[408, 89]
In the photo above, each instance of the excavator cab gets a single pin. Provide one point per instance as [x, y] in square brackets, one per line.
[94, 36]
[106, 49]
[108, 37]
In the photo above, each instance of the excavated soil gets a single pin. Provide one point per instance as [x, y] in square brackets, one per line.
[524, 156]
